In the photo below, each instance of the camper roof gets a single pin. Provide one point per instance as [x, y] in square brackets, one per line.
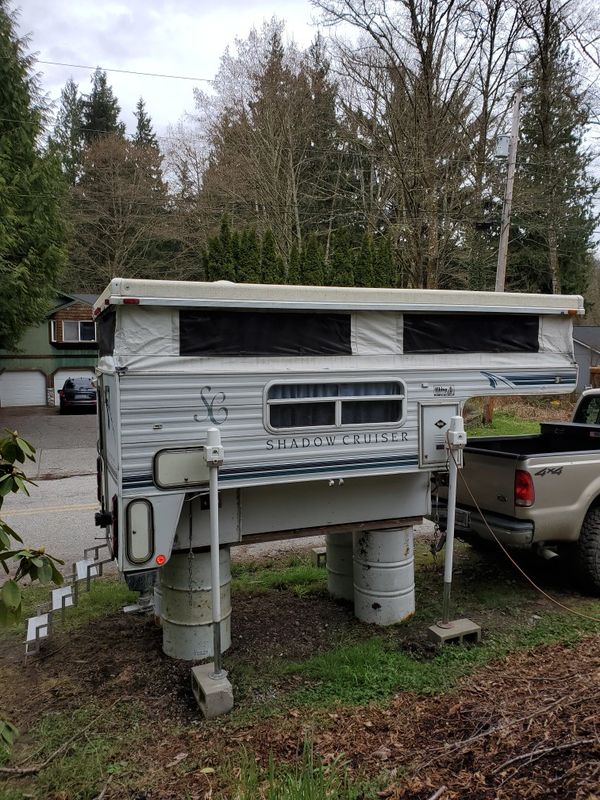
[224, 294]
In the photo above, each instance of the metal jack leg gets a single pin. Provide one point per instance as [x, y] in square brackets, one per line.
[211, 688]
[457, 630]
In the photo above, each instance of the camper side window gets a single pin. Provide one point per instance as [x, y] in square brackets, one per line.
[334, 405]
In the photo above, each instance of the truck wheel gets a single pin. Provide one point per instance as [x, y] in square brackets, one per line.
[587, 558]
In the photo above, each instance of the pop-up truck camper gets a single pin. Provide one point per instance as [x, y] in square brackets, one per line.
[331, 406]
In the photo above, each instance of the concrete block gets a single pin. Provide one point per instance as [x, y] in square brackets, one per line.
[319, 556]
[213, 695]
[457, 631]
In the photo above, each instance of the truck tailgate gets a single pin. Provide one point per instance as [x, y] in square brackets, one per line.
[491, 478]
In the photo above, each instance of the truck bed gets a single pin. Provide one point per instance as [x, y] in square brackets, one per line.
[563, 461]
[561, 437]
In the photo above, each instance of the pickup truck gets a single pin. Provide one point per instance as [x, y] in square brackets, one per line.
[540, 492]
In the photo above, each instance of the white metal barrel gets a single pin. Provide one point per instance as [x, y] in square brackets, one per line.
[340, 568]
[186, 607]
[384, 575]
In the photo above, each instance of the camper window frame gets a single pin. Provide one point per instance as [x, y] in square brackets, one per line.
[338, 425]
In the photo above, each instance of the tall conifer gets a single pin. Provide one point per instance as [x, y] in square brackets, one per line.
[553, 218]
[313, 263]
[341, 271]
[101, 110]
[32, 232]
[271, 263]
[363, 264]
[144, 132]
[248, 268]
[67, 136]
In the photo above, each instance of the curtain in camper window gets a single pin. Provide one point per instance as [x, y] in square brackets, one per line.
[216, 332]
[471, 333]
[334, 404]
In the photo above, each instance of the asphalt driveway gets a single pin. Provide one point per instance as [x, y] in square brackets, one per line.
[66, 445]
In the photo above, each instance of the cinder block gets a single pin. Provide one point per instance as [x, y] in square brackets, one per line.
[213, 695]
[319, 556]
[457, 632]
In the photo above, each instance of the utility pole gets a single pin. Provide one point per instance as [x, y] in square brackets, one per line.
[488, 406]
[508, 192]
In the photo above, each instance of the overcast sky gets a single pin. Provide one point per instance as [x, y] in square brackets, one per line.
[175, 37]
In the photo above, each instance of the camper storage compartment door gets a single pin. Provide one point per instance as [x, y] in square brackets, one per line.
[434, 423]
[140, 531]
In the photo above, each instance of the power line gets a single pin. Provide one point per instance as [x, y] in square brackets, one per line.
[125, 71]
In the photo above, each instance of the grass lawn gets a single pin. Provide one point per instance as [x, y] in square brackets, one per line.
[505, 424]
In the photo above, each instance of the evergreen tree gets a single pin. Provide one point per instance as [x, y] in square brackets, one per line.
[341, 260]
[144, 133]
[384, 268]
[67, 136]
[248, 267]
[294, 276]
[205, 258]
[150, 158]
[270, 261]
[220, 265]
[236, 249]
[363, 264]
[553, 219]
[32, 232]
[313, 263]
[101, 110]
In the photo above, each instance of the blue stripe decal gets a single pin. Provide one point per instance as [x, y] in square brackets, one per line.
[566, 377]
[317, 464]
[318, 470]
[281, 470]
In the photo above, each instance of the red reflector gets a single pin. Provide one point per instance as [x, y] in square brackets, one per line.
[96, 312]
[131, 301]
[160, 560]
[524, 491]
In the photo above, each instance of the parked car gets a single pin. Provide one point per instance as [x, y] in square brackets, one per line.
[77, 393]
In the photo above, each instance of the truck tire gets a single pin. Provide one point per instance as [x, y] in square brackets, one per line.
[587, 556]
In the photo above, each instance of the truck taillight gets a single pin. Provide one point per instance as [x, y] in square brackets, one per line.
[524, 491]
[115, 525]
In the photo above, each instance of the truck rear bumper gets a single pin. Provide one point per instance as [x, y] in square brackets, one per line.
[510, 531]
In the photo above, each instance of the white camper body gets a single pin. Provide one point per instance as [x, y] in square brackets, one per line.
[332, 403]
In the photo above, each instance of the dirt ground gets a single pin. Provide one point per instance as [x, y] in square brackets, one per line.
[527, 726]
[122, 653]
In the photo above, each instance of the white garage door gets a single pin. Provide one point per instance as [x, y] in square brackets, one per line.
[61, 376]
[22, 388]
